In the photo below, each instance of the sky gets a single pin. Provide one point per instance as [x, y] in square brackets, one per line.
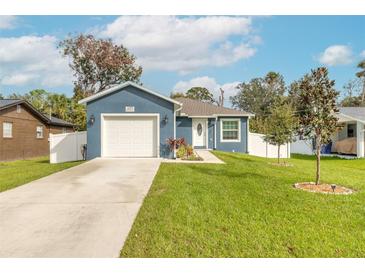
[179, 52]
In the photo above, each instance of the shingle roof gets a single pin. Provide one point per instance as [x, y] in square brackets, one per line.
[193, 107]
[5, 103]
[58, 121]
[8, 102]
[354, 112]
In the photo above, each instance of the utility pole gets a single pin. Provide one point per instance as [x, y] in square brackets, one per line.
[221, 98]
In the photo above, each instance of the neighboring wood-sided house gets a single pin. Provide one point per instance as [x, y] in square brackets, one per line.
[25, 131]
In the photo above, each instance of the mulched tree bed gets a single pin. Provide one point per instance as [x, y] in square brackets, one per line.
[323, 188]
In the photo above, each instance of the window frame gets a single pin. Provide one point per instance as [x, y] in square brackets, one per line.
[238, 140]
[18, 109]
[11, 130]
[36, 131]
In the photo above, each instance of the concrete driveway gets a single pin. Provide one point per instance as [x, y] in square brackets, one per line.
[84, 211]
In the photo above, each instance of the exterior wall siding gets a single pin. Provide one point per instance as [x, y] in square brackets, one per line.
[184, 129]
[116, 102]
[233, 146]
[24, 143]
[60, 129]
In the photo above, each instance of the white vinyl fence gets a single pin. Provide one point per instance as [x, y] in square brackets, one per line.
[302, 147]
[66, 147]
[258, 147]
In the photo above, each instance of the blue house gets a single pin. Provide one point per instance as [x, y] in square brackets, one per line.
[129, 120]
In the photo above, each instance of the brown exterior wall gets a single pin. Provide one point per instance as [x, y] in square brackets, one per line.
[59, 129]
[24, 143]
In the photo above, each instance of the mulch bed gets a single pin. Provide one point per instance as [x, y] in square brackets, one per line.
[323, 188]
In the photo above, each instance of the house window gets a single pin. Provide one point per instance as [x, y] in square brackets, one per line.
[7, 130]
[18, 109]
[230, 130]
[200, 129]
[39, 132]
[64, 130]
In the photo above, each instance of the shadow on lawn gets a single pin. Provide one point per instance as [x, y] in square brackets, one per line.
[323, 158]
[234, 157]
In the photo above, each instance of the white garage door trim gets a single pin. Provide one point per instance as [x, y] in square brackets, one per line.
[157, 115]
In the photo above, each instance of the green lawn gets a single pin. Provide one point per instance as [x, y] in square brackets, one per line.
[248, 208]
[16, 173]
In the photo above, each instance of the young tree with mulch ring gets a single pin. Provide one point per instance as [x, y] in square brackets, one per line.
[281, 125]
[316, 109]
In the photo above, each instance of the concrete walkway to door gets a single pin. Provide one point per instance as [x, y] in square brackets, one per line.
[84, 211]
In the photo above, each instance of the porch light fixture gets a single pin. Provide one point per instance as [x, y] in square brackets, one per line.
[165, 119]
[92, 119]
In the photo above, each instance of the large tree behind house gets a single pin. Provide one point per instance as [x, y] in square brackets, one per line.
[258, 96]
[201, 94]
[99, 63]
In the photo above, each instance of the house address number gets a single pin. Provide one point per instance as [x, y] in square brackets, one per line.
[129, 109]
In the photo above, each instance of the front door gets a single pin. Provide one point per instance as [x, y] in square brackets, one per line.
[199, 132]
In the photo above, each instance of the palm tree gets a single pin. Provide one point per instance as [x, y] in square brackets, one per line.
[361, 75]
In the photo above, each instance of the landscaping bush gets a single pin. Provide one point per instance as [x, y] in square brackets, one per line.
[189, 150]
[181, 151]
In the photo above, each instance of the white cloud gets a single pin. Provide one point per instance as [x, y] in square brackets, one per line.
[336, 55]
[184, 44]
[209, 83]
[362, 54]
[32, 60]
[7, 21]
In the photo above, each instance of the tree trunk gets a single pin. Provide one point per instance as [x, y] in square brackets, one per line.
[278, 154]
[318, 154]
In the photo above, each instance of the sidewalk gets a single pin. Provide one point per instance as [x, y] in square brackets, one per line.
[208, 158]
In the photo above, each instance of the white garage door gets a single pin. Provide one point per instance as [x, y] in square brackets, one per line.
[129, 136]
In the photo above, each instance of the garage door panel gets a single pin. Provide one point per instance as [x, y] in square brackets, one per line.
[129, 136]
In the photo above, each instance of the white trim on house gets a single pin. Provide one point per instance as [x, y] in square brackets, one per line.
[157, 115]
[200, 116]
[206, 134]
[215, 132]
[248, 136]
[349, 117]
[234, 115]
[216, 115]
[239, 130]
[360, 145]
[128, 83]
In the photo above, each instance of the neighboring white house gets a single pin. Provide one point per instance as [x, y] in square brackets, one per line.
[351, 135]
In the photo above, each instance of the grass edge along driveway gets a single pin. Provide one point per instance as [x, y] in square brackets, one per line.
[20, 172]
[248, 208]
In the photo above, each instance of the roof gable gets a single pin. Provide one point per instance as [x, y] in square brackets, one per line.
[7, 103]
[191, 107]
[121, 86]
[356, 113]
